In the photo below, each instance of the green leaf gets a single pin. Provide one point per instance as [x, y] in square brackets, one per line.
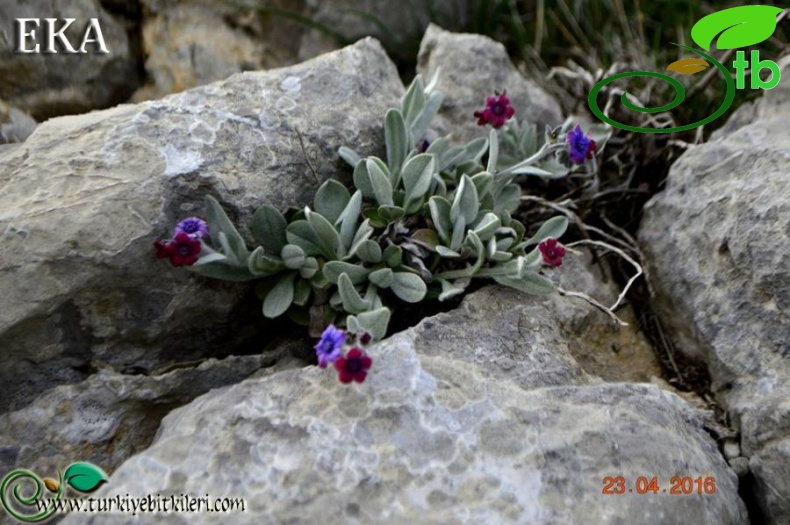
[742, 26]
[391, 213]
[84, 476]
[447, 252]
[262, 265]
[301, 234]
[396, 138]
[459, 229]
[382, 278]
[280, 297]
[352, 302]
[382, 187]
[226, 272]
[326, 235]
[334, 269]
[552, 228]
[393, 256]
[369, 252]
[448, 290]
[420, 125]
[331, 199]
[348, 219]
[409, 287]
[219, 223]
[508, 199]
[210, 258]
[293, 256]
[487, 226]
[364, 232]
[475, 149]
[466, 202]
[426, 238]
[349, 155]
[493, 151]
[373, 322]
[416, 175]
[268, 228]
[309, 268]
[531, 283]
[440, 215]
[414, 100]
[483, 182]
[302, 291]
[362, 180]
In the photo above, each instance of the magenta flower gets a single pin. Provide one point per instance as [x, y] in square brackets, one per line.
[552, 252]
[496, 112]
[353, 367]
[194, 227]
[580, 146]
[329, 347]
[183, 250]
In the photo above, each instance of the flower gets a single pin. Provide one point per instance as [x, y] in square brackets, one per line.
[580, 146]
[330, 345]
[193, 226]
[496, 112]
[183, 250]
[353, 367]
[552, 252]
[364, 338]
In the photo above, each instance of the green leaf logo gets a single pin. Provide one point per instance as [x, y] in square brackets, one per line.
[739, 27]
[84, 477]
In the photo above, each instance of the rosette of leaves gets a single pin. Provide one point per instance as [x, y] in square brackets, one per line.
[417, 225]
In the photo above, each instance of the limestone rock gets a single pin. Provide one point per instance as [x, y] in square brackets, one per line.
[84, 198]
[110, 416]
[15, 125]
[434, 437]
[717, 241]
[47, 84]
[473, 67]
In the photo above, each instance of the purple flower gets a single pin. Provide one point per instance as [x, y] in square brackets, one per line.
[353, 367]
[330, 345]
[580, 146]
[496, 112]
[192, 226]
[183, 250]
[552, 252]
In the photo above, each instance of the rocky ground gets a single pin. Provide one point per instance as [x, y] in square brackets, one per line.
[509, 408]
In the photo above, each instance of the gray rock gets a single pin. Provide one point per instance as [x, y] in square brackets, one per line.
[15, 125]
[717, 241]
[85, 197]
[399, 25]
[46, 84]
[473, 67]
[431, 437]
[110, 416]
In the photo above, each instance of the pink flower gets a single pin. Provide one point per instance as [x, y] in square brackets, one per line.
[353, 367]
[496, 112]
[183, 250]
[552, 252]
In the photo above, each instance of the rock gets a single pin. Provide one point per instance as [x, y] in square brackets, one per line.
[439, 433]
[473, 67]
[46, 84]
[189, 43]
[400, 27]
[716, 240]
[85, 197]
[110, 416]
[15, 125]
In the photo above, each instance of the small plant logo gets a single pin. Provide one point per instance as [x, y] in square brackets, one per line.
[82, 476]
[738, 27]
